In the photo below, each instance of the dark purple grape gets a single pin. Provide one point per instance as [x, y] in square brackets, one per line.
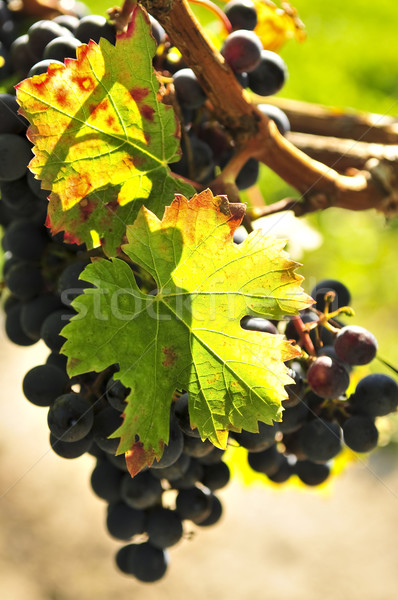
[376, 395]
[216, 476]
[70, 417]
[327, 377]
[360, 433]
[355, 345]
[268, 461]
[269, 76]
[311, 473]
[242, 14]
[164, 527]
[242, 50]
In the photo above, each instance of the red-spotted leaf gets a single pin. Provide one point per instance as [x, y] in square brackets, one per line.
[188, 335]
[103, 138]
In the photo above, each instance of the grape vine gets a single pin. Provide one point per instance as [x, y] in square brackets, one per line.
[171, 335]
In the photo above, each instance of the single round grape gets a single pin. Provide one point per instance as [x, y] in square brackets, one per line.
[269, 76]
[327, 377]
[242, 50]
[19, 198]
[157, 30]
[293, 418]
[242, 14]
[216, 476]
[267, 461]
[148, 563]
[248, 175]
[43, 384]
[360, 434]
[116, 394]
[376, 395]
[355, 345]
[164, 527]
[70, 417]
[105, 481]
[70, 283]
[312, 473]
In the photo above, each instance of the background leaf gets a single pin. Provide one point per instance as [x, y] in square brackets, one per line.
[102, 136]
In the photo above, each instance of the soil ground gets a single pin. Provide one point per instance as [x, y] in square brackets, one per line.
[271, 544]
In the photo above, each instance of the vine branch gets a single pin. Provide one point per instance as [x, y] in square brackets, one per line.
[319, 185]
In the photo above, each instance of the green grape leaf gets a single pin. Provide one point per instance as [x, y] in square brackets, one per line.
[103, 138]
[186, 335]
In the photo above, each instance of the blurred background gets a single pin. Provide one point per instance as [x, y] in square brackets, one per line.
[285, 542]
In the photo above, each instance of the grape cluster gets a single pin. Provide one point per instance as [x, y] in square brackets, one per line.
[206, 146]
[320, 417]
[41, 274]
[149, 511]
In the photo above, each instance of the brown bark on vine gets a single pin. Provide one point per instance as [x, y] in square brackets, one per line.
[319, 185]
